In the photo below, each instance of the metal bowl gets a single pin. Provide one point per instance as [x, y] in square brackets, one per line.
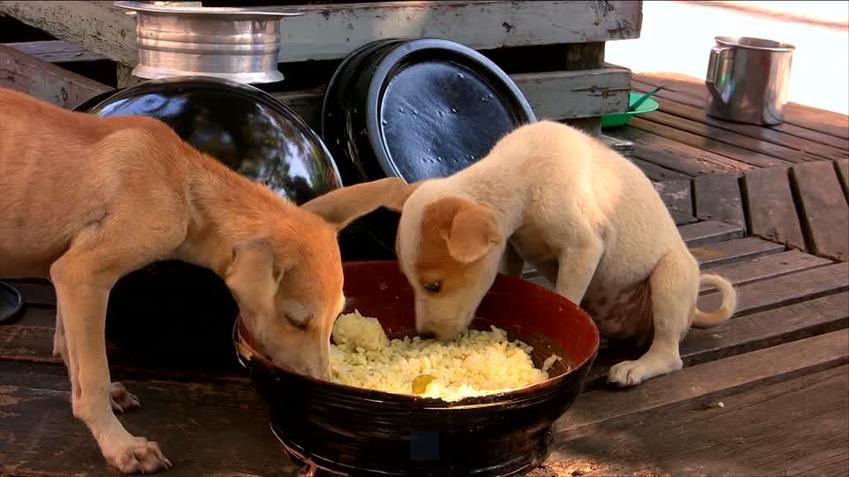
[355, 431]
[231, 43]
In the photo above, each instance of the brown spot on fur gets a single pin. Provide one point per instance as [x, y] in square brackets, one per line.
[624, 314]
[435, 262]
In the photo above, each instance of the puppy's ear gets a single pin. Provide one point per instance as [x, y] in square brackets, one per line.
[252, 276]
[342, 206]
[473, 233]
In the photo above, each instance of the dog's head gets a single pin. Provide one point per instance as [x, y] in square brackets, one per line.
[289, 288]
[449, 249]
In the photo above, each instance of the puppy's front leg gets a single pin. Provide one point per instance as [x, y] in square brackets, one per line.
[82, 311]
[577, 265]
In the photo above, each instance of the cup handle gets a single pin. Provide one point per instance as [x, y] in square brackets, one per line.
[717, 64]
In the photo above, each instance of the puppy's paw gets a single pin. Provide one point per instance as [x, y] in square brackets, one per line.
[122, 400]
[627, 373]
[139, 456]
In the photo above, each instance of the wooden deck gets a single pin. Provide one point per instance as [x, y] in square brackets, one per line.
[765, 394]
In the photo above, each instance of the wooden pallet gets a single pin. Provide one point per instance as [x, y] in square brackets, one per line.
[554, 50]
[786, 346]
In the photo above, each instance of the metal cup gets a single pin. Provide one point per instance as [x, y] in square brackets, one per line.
[747, 80]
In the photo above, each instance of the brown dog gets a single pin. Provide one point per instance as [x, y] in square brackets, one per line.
[86, 200]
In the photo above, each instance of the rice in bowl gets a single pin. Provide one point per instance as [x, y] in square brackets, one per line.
[477, 363]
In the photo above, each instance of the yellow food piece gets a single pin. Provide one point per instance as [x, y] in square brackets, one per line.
[420, 383]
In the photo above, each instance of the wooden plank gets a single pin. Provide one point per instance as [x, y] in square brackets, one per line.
[842, 167]
[768, 266]
[55, 51]
[676, 156]
[681, 218]
[713, 254]
[832, 124]
[333, 31]
[744, 334]
[709, 231]
[45, 81]
[555, 94]
[676, 195]
[204, 429]
[717, 197]
[696, 99]
[708, 144]
[770, 207]
[785, 289]
[761, 429]
[823, 209]
[576, 94]
[657, 173]
[761, 133]
[693, 386]
[731, 138]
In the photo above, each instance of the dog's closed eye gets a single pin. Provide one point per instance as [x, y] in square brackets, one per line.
[298, 319]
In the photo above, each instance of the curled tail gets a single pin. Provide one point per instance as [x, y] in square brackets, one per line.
[707, 319]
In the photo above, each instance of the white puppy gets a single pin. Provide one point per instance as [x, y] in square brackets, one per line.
[585, 217]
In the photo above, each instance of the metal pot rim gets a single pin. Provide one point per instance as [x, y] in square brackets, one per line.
[220, 12]
[753, 43]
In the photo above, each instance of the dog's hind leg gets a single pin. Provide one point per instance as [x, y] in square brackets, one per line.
[674, 288]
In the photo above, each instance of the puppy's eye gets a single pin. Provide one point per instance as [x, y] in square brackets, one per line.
[433, 287]
[300, 324]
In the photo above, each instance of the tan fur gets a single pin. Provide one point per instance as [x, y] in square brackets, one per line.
[86, 200]
[587, 218]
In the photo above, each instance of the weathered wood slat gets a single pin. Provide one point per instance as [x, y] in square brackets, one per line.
[731, 138]
[45, 81]
[695, 99]
[676, 156]
[784, 290]
[830, 123]
[823, 209]
[698, 384]
[657, 173]
[842, 167]
[768, 266]
[333, 31]
[771, 135]
[761, 429]
[554, 95]
[744, 333]
[708, 144]
[717, 197]
[713, 254]
[55, 51]
[676, 195]
[770, 207]
[205, 429]
[709, 231]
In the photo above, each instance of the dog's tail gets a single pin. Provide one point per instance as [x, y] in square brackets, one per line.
[706, 319]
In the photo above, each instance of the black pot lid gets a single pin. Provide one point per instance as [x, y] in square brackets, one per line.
[240, 125]
[435, 106]
[11, 302]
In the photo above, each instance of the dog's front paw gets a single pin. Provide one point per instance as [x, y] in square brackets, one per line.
[627, 373]
[139, 456]
[122, 400]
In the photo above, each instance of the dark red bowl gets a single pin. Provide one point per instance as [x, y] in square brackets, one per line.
[357, 431]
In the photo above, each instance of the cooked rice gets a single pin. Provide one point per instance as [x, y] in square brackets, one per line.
[475, 364]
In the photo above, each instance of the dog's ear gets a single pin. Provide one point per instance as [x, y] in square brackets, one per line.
[473, 233]
[252, 275]
[342, 206]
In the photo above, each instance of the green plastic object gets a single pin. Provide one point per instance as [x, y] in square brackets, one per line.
[621, 119]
